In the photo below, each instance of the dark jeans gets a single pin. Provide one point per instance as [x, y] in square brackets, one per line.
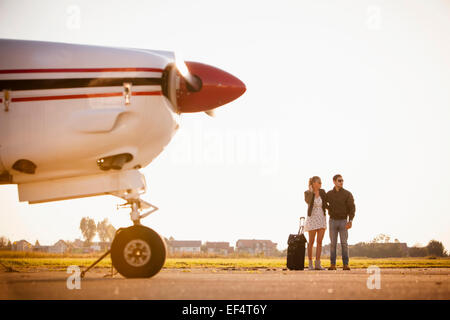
[338, 226]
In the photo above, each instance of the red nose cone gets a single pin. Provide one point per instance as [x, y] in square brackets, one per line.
[218, 88]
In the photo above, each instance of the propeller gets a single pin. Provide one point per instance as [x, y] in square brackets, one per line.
[202, 87]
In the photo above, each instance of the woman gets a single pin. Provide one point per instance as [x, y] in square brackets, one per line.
[316, 221]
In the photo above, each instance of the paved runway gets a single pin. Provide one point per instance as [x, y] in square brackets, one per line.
[429, 283]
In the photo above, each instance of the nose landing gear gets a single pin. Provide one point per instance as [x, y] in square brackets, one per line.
[136, 251]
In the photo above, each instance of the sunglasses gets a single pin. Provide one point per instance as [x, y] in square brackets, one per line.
[340, 180]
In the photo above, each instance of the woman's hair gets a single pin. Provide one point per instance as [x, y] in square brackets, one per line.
[312, 180]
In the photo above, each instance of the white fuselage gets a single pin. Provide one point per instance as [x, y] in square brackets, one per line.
[64, 106]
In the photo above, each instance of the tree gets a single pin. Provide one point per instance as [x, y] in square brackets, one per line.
[417, 251]
[88, 229]
[377, 250]
[436, 248]
[4, 242]
[381, 238]
[102, 229]
[106, 231]
[110, 232]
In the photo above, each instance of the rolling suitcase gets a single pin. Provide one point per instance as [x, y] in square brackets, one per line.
[296, 249]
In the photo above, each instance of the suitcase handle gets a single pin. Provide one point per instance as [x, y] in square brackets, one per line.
[302, 225]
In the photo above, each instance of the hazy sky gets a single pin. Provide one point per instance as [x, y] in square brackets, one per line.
[359, 88]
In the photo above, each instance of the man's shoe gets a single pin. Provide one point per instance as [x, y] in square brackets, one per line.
[332, 267]
[346, 267]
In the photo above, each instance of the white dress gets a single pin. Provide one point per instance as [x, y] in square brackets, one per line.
[317, 220]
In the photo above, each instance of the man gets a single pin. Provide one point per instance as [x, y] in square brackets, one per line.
[340, 207]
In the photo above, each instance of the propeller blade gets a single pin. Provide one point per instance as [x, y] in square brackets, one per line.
[194, 83]
[211, 113]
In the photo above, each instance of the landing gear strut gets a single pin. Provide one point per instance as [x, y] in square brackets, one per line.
[136, 251]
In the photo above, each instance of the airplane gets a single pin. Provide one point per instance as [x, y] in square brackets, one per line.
[82, 120]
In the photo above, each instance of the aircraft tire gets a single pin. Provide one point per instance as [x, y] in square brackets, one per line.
[138, 252]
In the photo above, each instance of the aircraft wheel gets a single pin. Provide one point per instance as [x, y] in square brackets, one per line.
[138, 252]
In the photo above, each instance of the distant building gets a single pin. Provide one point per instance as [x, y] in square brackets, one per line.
[95, 247]
[59, 247]
[22, 245]
[219, 248]
[40, 248]
[78, 244]
[267, 247]
[184, 246]
[100, 246]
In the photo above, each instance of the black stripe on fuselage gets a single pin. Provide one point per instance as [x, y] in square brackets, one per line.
[41, 84]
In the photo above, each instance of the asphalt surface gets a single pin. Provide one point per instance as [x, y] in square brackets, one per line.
[211, 284]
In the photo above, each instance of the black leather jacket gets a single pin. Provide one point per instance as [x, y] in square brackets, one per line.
[309, 198]
[341, 204]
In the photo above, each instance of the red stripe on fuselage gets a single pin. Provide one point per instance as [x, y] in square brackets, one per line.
[80, 70]
[81, 96]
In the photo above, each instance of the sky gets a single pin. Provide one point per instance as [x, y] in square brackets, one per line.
[355, 87]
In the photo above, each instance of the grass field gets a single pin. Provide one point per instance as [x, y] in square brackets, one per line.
[54, 261]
